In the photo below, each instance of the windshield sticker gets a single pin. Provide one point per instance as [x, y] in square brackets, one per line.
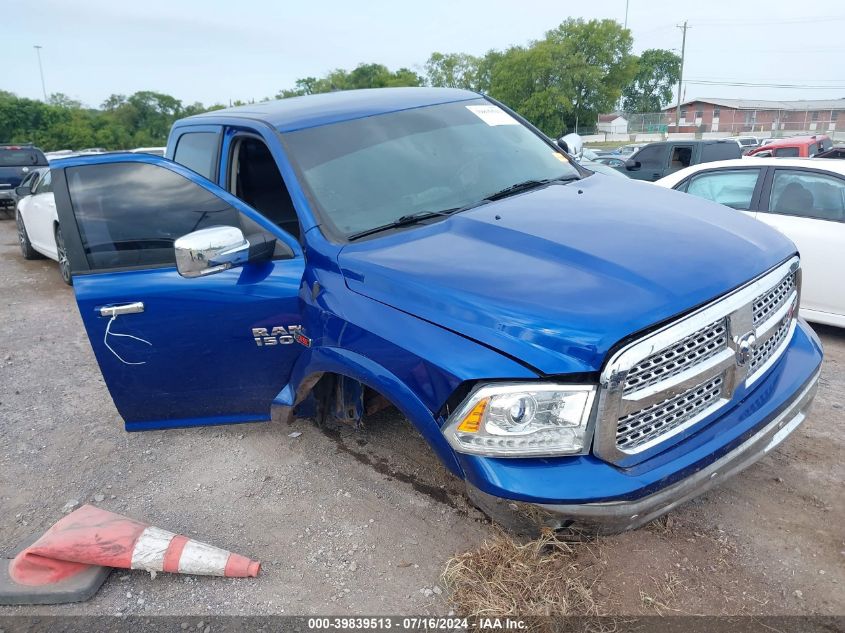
[492, 115]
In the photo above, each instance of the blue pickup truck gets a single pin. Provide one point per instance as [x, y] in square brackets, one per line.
[583, 351]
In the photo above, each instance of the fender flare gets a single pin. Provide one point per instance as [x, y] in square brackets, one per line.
[317, 361]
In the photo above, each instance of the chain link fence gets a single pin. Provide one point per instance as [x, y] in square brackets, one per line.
[714, 122]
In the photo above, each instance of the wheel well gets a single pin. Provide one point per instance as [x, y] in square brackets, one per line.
[334, 395]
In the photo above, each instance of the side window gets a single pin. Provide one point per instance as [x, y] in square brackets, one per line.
[198, 152]
[651, 157]
[254, 177]
[812, 150]
[681, 157]
[808, 194]
[45, 185]
[719, 151]
[129, 214]
[734, 188]
[786, 152]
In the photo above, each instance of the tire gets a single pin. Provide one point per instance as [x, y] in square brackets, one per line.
[23, 239]
[64, 264]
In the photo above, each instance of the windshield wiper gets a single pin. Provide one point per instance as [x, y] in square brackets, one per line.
[404, 220]
[526, 185]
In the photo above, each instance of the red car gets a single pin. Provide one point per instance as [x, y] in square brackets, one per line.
[795, 146]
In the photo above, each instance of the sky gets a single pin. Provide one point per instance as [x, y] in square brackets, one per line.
[215, 51]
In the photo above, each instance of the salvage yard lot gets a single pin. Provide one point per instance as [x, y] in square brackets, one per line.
[365, 522]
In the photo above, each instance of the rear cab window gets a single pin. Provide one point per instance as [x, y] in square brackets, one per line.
[719, 151]
[788, 152]
[198, 151]
[22, 157]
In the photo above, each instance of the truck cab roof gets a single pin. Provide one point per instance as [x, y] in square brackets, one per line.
[296, 113]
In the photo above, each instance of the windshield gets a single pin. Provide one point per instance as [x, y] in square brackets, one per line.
[370, 172]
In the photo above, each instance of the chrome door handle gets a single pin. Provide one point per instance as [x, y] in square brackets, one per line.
[126, 308]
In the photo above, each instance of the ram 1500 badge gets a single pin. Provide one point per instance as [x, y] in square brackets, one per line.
[594, 351]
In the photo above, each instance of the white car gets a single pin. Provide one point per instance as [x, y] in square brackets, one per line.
[39, 232]
[747, 142]
[804, 198]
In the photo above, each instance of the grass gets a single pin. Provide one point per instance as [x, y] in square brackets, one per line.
[545, 576]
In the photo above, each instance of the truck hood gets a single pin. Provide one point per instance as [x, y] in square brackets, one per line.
[556, 277]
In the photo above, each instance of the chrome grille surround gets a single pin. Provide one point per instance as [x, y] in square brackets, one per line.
[671, 379]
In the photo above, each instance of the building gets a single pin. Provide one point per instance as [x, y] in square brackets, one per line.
[612, 124]
[775, 118]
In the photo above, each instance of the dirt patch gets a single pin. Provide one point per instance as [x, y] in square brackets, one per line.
[365, 522]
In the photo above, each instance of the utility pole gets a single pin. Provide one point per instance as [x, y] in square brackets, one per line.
[41, 70]
[681, 76]
[626, 14]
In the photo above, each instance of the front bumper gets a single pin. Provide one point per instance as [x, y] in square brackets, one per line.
[8, 198]
[589, 493]
[617, 516]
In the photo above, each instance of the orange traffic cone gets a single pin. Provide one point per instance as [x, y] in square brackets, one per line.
[91, 537]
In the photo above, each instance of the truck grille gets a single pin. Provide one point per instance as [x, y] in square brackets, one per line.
[764, 351]
[644, 425]
[649, 396]
[767, 303]
[694, 349]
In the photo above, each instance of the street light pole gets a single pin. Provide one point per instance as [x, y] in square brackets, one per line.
[41, 70]
[681, 77]
[626, 14]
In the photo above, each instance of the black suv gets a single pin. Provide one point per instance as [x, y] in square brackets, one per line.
[16, 161]
[656, 160]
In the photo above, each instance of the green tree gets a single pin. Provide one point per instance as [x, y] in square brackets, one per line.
[658, 72]
[565, 80]
[453, 70]
[362, 76]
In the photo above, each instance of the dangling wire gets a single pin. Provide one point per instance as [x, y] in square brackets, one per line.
[106, 342]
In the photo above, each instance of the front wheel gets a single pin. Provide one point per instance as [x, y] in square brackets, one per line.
[23, 239]
[64, 264]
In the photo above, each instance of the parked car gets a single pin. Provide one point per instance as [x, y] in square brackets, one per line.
[601, 167]
[39, 231]
[590, 349]
[610, 161]
[837, 151]
[656, 160]
[747, 143]
[802, 198]
[794, 147]
[628, 150]
[623, 151]
[16, 161]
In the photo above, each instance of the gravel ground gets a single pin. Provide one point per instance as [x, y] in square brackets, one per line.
[364, 522]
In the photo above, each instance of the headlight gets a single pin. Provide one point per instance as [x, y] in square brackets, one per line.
[519, 420]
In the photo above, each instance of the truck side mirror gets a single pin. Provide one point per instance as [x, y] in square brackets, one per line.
[632, 165]
[23, 190]
[563, 145]
[210, 251]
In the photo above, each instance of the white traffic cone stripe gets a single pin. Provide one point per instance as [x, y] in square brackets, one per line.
[150, 549]
[203, 559]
